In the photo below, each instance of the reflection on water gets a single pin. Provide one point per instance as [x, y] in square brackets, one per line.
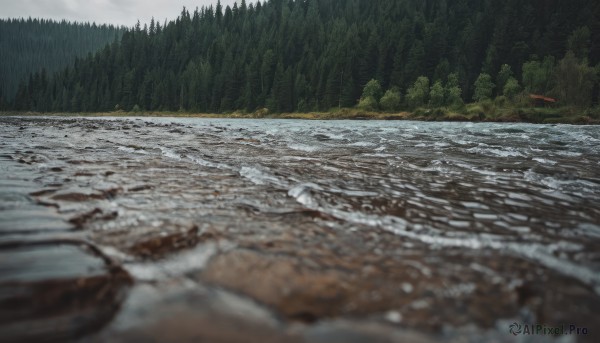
[407, 216]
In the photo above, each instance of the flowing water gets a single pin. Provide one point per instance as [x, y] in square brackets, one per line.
[332, 229]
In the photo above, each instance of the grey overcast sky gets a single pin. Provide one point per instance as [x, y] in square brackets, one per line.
[119, 12]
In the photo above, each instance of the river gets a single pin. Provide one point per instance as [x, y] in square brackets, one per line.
[307, 231]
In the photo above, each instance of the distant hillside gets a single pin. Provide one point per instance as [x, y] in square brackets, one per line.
[28, 46]
[304, 55]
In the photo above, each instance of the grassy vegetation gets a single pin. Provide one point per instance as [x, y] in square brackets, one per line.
[485, 111]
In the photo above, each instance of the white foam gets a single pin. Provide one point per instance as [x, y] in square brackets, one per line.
[509, 152]
[462, 142]
[570, 153]
[302, 194]
[126, 149]
[362, 144]
[353, 193]
[544, 161]
[169, 153]
[303, 147]
[379, 155]
[209, 164]
[333, 136]
[260, 177]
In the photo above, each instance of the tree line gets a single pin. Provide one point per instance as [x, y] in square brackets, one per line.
[31, 45]
[571, 80]
[314, 55]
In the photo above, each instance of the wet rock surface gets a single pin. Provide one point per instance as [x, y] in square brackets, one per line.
[54, 285]
[285, 231]
[52, 291]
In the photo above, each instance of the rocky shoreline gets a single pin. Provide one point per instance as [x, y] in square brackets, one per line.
[524, 115]
[99, 245]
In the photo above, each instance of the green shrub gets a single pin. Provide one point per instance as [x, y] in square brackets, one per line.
[504, 75]
[593, 113]
[417, 94]
[368, 104]
[372, 89]
[511, 88]
[422, 112]
[522, 100]
[475, 109]
[484, 87]
[453, 92]
[488, 106]
[501, 101]
[390, 101]
[261, 113]
[436, 95]
[439, 112]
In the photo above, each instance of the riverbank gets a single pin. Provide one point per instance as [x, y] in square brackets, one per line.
[470, 113]
[145, 229]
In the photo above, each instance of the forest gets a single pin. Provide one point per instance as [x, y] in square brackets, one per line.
[317, 55]
[45, 46]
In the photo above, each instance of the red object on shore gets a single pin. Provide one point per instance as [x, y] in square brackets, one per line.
[540, 100]
[543, 98]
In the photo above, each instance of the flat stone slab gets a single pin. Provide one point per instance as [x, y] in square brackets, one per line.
[43, 262]
[31, 219]
[56, 290]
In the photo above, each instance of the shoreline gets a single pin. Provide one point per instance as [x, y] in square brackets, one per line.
[519, 115]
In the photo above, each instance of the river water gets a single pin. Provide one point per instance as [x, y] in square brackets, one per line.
[314, 230]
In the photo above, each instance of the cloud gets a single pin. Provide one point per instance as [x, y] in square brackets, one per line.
[119, 12]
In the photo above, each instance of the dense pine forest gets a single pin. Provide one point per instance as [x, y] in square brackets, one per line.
[30, 45]
[314, 55]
